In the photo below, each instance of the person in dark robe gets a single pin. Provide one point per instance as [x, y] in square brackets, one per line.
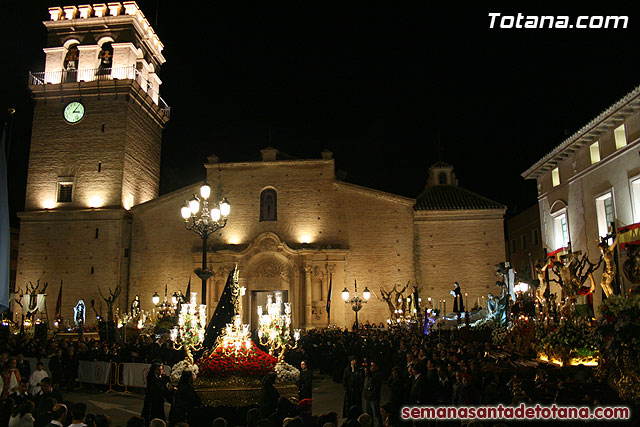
[156, 393]
[458, 305]
[305, 383]
[270, 395]
[353, 381]
[185, 400]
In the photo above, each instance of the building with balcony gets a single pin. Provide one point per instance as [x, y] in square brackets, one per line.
[589, 185]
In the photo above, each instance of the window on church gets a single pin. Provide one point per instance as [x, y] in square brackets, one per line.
[442, 178]
[268, 205]
[65, 190]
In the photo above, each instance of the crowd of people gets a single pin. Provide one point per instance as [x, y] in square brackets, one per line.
[414, 368]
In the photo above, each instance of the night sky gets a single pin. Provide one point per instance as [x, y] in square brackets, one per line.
[389, 88]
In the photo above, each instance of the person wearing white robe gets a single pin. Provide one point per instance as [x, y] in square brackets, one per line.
[36, 377]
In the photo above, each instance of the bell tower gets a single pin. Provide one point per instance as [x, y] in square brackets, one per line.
[95, 149]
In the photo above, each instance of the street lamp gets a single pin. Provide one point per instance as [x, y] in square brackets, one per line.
[155, 298]
[356, 302]
[202, 220]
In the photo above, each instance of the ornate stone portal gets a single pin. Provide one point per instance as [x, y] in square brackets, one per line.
[267, 265]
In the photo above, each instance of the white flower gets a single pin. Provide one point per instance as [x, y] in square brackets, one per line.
[286, 372]
[178, 368]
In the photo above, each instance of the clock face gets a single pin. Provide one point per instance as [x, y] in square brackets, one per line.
[74, 112]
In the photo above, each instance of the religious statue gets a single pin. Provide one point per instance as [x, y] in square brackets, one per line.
[113, 295]
[632, 264]
[609, 274]
[492, 305]
[79, 313]
[458, 305]
[542, 282]
[135, 306]
[386, 297]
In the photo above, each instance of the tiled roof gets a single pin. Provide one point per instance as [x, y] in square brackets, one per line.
[452, 197]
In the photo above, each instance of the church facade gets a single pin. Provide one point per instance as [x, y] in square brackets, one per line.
[93, 218]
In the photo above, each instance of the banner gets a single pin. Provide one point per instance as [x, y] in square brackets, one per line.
[5, 229]
[629, 235]
[32, 306]
[94, 372]
[135, 374]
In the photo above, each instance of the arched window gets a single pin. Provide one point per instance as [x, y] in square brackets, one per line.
[104, 59]
[269, 205]
[70, 64]
[442, 178]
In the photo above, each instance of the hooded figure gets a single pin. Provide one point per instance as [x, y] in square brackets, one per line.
[156, 393]
[458, 306]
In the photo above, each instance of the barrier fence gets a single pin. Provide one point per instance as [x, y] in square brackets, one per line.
[108, 373]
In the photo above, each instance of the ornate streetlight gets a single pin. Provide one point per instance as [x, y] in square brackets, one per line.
[204, 222]
[356, 302]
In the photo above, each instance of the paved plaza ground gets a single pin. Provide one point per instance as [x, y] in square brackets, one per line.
[327, 397]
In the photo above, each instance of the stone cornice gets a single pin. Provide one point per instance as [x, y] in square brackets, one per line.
[49, 215]
[610, 117]
[457, 215]
[376, 193]
[258, 163]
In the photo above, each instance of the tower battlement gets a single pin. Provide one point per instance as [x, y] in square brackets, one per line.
[99, 42]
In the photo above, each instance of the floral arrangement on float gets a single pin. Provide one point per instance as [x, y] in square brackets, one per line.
[231, 373]
[618, 336]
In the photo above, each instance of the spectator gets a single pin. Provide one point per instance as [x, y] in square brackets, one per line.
[397, 387]
[70, 365]
[23, 415]
[253, 415]
[103, 421]
[44, 410]
[78, 412]
[56, 367]
[353, 382]
[23, 366]
[219, 422]
[22, 393]
[365, 420]
[308, 420]
[36, 377]
[305, 382]
[58, 414]
[136, 421]
[46, 390]
[372, 388]
[157, 422]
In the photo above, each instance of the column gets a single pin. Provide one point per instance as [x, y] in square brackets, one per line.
[88, 62]
[53, 64]
[307, 296]
[124, 60]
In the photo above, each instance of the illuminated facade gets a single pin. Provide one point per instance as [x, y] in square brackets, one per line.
[590, 183]
[93, 216]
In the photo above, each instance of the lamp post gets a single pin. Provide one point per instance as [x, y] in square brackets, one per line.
[356, 302]
[202, 220]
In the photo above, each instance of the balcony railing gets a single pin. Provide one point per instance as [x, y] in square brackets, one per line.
[98, 74]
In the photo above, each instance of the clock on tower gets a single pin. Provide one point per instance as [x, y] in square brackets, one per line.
[95, 147]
